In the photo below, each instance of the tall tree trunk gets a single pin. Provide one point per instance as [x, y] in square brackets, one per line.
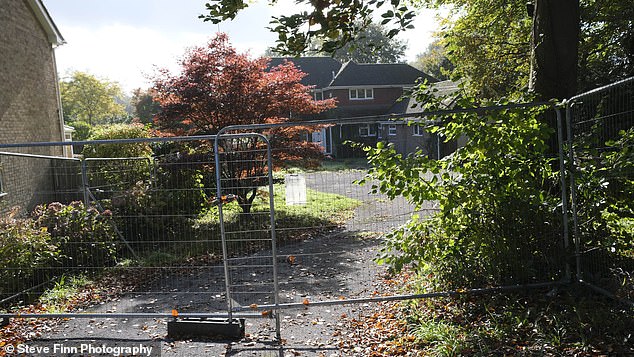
[555, 41]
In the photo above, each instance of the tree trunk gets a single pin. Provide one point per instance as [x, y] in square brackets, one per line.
[555, 41]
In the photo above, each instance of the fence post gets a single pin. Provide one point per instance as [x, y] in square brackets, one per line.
[84, 181]
[564, 193]
[223, 239]
[276, 297]
[573, 192]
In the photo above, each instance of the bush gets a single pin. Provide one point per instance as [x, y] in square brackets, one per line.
[605, 190]
[25, 249]
[133, 160]
[499, 221]
[119, 131]
[84, 237]
[83, 130]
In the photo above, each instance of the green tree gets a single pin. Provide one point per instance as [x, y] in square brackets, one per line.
[89, 99]
[145, 107]
[489, 41]
[434, 61]
[334, 22]
[372, 45]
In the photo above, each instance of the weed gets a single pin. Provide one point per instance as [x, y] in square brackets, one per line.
[59, 297]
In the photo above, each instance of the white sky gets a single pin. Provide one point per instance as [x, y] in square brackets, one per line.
[125, 40]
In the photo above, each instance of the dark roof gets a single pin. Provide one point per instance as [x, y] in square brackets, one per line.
[439, 89]
[354, 74]
[320, 70]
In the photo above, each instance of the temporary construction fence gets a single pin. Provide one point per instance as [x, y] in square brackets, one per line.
[601, 156]
[245, 225]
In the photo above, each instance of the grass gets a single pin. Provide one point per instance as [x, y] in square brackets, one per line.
[360, 163]
[573, 321]
[442, 338]
[321, 210]
[199, 238]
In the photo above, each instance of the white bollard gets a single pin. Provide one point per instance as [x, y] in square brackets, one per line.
[295, 189]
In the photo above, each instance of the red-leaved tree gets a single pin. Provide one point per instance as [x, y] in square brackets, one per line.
[218, 87]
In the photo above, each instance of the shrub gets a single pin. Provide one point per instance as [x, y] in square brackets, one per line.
[84, 237]
[133, 160]
[499, 219]
[25, 249]
[83, 130]
[119, 131]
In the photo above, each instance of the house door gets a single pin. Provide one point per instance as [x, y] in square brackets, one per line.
[324, 139]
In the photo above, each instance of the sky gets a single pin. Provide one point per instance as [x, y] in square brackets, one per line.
[126, 41]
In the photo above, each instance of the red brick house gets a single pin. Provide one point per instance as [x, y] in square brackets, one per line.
[368, 91]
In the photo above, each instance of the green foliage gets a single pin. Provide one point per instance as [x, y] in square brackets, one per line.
[83, 130]
[89, 99]
[119, 131]
[606, 51]
[498, 220]
[605, 190]
[133, 160]
[372, 45]
[333, 22]
[489, 43]
[25, 250]
[434, 61]
[84, 237]
[59, 298]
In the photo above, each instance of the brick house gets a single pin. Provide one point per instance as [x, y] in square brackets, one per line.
[30, 106]
[410, 138]
[365, 91]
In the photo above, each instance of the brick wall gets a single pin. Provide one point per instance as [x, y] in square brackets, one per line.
[28, 100]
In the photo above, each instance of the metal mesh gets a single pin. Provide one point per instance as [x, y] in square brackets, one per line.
[259, 218]
[329, 229]
[149, 223]
[601, 132]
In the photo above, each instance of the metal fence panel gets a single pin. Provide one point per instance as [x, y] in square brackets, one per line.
[329, 228]
[149, 223]
[247, 224]
[601, 148]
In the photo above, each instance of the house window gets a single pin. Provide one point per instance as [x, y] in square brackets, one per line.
[417, 130]
[380, 131]
[318, 95]
[361, 94]
[367, 130]
[391, 130]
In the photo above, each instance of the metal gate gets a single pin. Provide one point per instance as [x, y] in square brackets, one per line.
[160, 230]
[245, 201]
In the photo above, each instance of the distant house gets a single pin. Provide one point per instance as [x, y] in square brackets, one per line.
[30, 106]
[367, 91]
[409, 137]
